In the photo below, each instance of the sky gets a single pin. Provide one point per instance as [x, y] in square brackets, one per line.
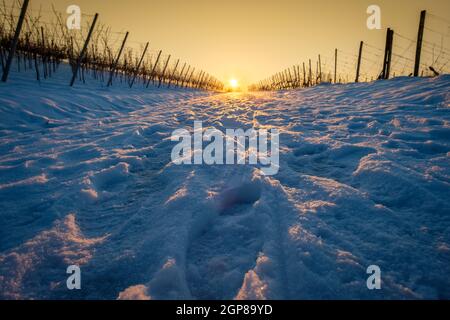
[251, 39]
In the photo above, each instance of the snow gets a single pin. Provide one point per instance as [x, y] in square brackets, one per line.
[86, 178]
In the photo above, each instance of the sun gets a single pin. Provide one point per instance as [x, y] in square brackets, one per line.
[234, 83]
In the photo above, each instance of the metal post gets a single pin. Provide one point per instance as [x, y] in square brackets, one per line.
[164, 71]
[116, 62]
[83, 51]
[12, 51]
[139, 65]
[335, 64]
[419, 42]
[173, 73]
[359, 61]
[320, 70]
[152, 74]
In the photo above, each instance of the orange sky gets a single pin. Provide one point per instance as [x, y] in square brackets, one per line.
[251, 39]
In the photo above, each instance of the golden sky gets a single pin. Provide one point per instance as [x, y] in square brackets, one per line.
[252, 39]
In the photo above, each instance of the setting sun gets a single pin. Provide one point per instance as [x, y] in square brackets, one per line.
[233, 83]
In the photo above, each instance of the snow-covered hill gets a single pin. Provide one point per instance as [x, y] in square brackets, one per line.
[86, 178]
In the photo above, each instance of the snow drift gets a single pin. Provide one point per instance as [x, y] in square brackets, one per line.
[86, 178]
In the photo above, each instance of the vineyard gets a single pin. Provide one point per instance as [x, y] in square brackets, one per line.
[127, 173]
[428, 55]
[32, 42]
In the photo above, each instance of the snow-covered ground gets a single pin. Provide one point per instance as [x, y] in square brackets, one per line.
[86, 178]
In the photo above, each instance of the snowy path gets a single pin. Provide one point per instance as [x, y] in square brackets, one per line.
[86, 178]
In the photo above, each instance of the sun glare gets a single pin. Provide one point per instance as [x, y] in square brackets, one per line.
[233, 83]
